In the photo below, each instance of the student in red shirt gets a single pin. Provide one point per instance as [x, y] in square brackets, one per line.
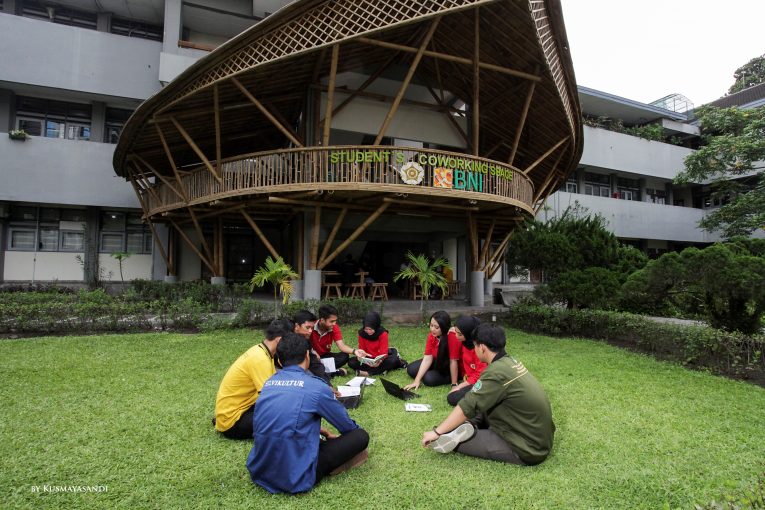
[441, 362]
[472, 367]
[373, 339]
[325, 333]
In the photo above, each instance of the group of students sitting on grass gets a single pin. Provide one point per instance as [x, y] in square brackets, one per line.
[278, 391]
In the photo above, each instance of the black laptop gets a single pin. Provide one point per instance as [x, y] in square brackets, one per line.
[353, 401]
[397, 391]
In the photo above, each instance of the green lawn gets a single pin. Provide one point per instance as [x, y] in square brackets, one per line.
[132, 412]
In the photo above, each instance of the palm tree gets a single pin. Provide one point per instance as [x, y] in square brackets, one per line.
[279, 274]
[427, 274]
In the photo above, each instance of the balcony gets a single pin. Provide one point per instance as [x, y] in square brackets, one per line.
[625, 153]
[397, 171]
[58, 171]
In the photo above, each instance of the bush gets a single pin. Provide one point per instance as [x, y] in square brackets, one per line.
[750, 497]
[349, 310]
[219, 298]
[730, 352]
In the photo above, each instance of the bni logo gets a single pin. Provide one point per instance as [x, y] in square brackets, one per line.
[443, 178]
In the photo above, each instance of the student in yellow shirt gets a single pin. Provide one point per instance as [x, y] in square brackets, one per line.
[243, 381]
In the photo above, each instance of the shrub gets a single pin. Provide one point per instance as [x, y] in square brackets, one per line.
[349, 310]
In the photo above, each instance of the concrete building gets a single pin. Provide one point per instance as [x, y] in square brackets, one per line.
[70, 76]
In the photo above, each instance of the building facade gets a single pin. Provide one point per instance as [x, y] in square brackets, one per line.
[70, 77]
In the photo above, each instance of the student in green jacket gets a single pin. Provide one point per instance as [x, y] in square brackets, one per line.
[509, 415]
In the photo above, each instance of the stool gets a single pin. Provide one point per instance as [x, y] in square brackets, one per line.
[356, 290]
[332, 288]
[379, 290]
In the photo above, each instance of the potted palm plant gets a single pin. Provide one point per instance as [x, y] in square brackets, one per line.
[280, 275]
[428, 274]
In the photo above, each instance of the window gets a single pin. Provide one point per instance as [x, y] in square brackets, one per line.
[571, 186]
[131, 28]
[121, 232]
[46, 229]
[597, 185]
[628, 189]
[656, 196]
[53, 119]
[115, 120]
[59, 14]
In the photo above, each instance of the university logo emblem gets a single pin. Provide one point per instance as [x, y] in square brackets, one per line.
[476, 386]
[411, 173]
[443, 178]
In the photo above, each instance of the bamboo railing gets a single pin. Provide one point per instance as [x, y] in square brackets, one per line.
[350, 168]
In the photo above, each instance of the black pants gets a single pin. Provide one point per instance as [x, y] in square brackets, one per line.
[333, 453]
[487, 444]
[432, 377]
[340, 358]
[456, 396]
[392, 362]
[316, 367]
[242, 429]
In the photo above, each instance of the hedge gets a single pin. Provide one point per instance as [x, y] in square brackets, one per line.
[702, 346]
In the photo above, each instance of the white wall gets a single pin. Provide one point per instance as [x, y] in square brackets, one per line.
[44, 265]
[189, 265]
[135, 266]
[37, 52]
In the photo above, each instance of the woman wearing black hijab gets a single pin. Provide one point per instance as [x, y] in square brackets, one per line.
[472, 367]
[373, 339]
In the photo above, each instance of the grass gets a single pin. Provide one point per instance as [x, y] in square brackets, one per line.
[132, 412]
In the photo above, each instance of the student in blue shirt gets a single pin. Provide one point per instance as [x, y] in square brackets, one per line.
[292, 453]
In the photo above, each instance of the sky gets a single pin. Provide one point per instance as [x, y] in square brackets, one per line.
[646, 49]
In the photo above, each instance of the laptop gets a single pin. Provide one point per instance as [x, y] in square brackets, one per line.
[353, 401]
[397, 391]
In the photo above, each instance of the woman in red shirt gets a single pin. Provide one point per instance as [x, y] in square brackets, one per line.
[464, 328]
[373, 339]
[441, 362]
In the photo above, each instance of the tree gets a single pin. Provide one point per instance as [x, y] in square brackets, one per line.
[733, 160]
[280, 275]
[428, 274]
[583, 262]
[725, 282]
[121, 257]
[748, 75]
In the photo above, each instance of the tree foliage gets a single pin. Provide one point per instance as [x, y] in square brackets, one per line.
[724, 282]
[279, 274]
[584, 263]
[748, 75]
[428, 274]
[732, 160]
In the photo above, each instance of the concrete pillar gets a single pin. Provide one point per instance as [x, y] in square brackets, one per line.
[90, 257]
[104, 22]
[97, 121]
[170, 279]
[218, 280]
[172, 26]
[158, 264]
[7, 110]
[488, 289]
[460, 272]
[9, 7]
[670, 200]
[312, 284]
[3, 244]
[476, 288]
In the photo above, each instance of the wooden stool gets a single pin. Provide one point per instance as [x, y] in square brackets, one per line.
[379, 290]
[356, 290]
[332, 288]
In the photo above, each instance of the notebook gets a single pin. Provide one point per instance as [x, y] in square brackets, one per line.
[397, 391]
[351, 395]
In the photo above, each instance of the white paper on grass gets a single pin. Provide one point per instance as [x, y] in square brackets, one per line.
[417, 408]
[356, 381]
[329, 364]
[349, 391]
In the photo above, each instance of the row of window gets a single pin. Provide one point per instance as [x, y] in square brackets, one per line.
[599, 185]
[83, 19]
[52, 229]
[60, 119]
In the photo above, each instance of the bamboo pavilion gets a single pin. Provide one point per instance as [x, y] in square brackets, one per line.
[338, 122]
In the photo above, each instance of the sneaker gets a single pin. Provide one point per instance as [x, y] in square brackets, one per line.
[448, 442]
[355, 461]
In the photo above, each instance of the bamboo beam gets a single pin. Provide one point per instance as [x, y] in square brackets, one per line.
[216, 108]
[407, 79]
[487, 242]
[498, 252]
[544, 156]
[522, 121]
[201, 235]
[473, 235]
[449, 58]
[476, 81]
[159, 175]
[428, 204]
[315, 238]
[333, 233]
[384, 98]
[330, 94]
[192, 246]
[356, 233]
[449, 115]
[145, 184]
[154, 234]
[260, 235]
[308, 203]
[301, 246]
[219, 248]
[169, 155]
[196, 149]
[286, 132]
